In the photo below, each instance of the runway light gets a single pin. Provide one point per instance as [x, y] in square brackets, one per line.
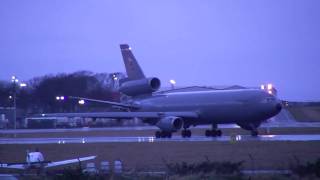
[151, 139]
[60, 98]
[270, 136]
[81, 102]
[15, 80]
[172, 82]
[23, 85]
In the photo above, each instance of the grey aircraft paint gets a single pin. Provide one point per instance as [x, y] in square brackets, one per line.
[220, 106]
[172, 111]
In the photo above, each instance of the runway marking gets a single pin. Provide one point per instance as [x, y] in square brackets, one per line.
[152, 139]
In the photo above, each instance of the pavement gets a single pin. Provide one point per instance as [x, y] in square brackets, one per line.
[152, 139]
[271, 123]
[8, 177]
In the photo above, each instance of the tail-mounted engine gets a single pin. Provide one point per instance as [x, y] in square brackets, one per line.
[140, 87]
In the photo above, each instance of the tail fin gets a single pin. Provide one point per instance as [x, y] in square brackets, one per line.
[132, 67]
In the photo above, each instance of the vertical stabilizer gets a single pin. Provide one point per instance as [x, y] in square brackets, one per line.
[132, 67]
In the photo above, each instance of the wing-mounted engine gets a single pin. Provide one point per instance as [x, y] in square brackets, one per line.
[140, 86]
[170, 123]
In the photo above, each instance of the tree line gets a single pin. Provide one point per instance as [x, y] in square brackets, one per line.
[40, 94]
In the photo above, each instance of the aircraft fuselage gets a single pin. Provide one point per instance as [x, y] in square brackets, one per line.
[218, 106]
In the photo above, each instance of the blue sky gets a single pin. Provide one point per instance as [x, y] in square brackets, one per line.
[206, 42]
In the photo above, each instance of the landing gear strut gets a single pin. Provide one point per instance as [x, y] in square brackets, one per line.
[163, 134]
[213, 132]
[254, 130]
[254, 133]
[186, 133]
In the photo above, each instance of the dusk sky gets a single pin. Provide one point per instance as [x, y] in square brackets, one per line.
[198, 42]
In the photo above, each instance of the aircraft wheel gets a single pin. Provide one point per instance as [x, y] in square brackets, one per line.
[214, 133]
[188, 133]
[158, 134]
[219, 132]
[163, 134]
[208, 133]
[183, 133]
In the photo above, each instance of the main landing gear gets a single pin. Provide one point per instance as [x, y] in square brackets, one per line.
[186, 133]
[213, 132]
[163, 134]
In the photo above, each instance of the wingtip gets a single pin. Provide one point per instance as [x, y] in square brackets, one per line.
[124, 46]
[92, 157]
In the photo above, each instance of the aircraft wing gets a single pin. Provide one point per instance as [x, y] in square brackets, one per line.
[126, 115]
[70, 161]
[13, 166]
[106, 102]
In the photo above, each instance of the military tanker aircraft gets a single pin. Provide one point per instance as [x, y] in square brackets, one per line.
[174, 111]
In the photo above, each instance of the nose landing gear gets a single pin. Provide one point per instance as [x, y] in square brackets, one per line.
[254, 130]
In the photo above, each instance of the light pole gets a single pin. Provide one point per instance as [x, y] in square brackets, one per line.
[14, 80]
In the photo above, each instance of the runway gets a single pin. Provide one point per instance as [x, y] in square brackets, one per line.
[152, 139]
[270, 124]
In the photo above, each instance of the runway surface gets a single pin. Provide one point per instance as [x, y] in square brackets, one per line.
[142, 128]
[152, 139]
